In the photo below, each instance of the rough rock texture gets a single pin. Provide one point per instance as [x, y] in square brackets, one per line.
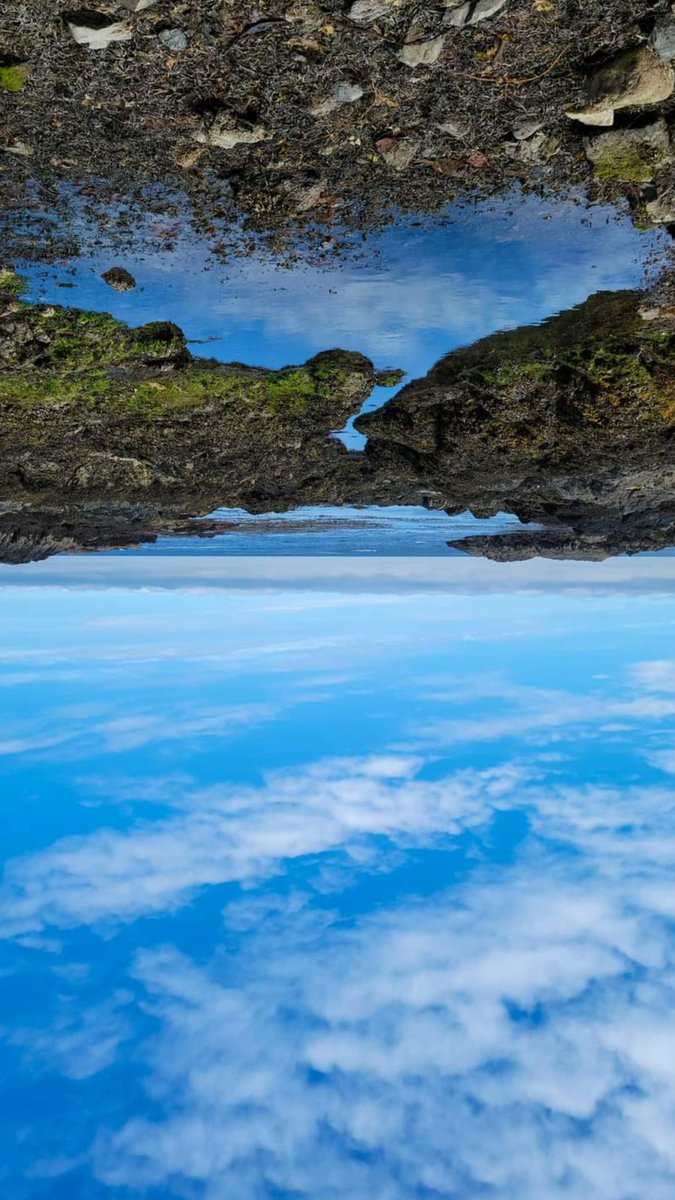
[111, 435]
[570, 424]
[236, 120]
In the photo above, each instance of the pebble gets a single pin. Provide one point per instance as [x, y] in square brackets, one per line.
[137, 5]
[343, 93]
[174, 40]
[422, 54]
[366, 12]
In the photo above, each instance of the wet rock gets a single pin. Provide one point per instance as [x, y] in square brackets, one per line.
[634, 79]
[663, 38]
[472, 11]
[120, 279]
[422, 53]
[95, 30]
[343, 93]
[630, 155]
[174, 40]
[398, 153]
[14, 75]
[224, 131]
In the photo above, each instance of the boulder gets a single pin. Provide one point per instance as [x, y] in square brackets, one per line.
[630, 155]
[636, 78]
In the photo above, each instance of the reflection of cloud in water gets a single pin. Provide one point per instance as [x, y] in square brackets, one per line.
[419, 292]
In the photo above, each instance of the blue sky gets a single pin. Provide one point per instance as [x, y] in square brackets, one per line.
[332, 893]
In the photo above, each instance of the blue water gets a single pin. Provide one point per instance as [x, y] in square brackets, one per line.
[323, 531]
[337, 885]
[405, 297]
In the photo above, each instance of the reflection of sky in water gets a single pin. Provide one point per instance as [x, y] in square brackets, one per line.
[417, 291]
[339, 894]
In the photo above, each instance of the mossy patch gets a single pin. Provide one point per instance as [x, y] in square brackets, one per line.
[13, 78]
[11, 282]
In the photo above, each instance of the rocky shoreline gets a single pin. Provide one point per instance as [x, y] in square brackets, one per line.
[111, 435]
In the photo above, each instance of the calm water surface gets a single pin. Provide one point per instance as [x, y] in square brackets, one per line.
[336, 880]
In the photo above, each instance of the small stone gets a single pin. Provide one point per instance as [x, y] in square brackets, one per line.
[662, 210]
[120, 279]
[472, 11]
[663, 38]
[634, 79]
[223, 131]
[96, 30]
[460, 130]
[399, 155]
[630, 155]
[187, 159]
[343, 93]
[538, 148]
[14, 76]
[174, 40]
[526, 128]
[422, 54]
[366, 12]
[21, 148]
[137, 5]
[306, 197]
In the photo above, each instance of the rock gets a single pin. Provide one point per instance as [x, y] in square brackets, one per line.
[400, 154]
[306, 197]
[224, 132]
[137, 5]
[22, 149]
[366, 12]
[422, 54]
[663, 38]
[96, 30]
[538, 148]
[456, 129]
[174, 40]
[343, 93]
[662, 210]
[120, 279]
[630, 155]
[525, 128]
[472, 11]
[634, 79]
[14, 76]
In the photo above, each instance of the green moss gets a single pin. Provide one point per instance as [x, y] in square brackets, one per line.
[14, 78]
[11, 282]
[628, 164]
[389, 378]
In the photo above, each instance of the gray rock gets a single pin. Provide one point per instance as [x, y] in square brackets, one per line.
[538, 148]
[174, 40]
[96, 31]
[461, 130]
[137, 5]
[470, 12]
[401, 154]
[343, 93]
[634, 79]
[663, 38]
[662, 210]
[366, 12]
[422, 54]
[525, 128]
